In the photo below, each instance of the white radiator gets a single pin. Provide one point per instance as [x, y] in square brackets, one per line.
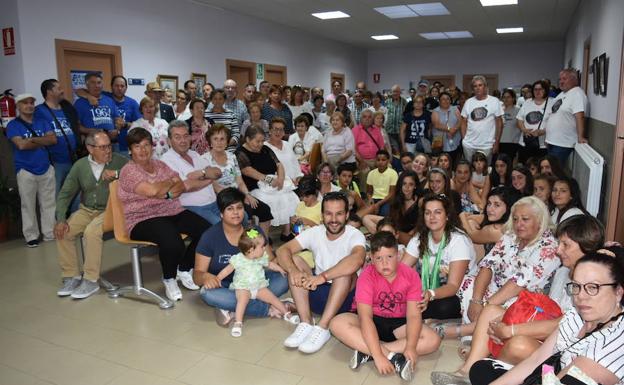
[587, 169]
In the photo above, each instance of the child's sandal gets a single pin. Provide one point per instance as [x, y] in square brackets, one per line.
[292, 318]
[237, 329]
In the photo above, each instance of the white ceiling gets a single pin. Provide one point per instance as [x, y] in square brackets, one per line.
[541, 19]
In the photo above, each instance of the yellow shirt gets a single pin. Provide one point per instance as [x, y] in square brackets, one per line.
[311, 213]
[381, 182]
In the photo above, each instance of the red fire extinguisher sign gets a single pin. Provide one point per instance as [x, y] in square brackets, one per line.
[8, 41]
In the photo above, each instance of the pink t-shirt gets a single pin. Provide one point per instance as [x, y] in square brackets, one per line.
[138, 208]
[388, 299]
[364, 145]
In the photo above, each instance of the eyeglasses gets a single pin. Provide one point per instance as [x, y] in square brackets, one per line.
[592, 289]
[103, 147]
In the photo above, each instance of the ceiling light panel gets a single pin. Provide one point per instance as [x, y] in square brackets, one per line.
[385, 37]
[459, 35]
[510, 30]
[396, 11]
[429, 9]
[434, 35]
[491, 3]
[330, 15]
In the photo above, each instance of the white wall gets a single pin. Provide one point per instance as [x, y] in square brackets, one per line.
[516, 63]
[602, 22]
[11, 72]
[177, 37]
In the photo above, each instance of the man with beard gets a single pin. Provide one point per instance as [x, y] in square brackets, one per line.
[339, 252]
[481, 121]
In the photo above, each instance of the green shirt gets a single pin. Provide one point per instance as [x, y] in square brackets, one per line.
[81, 179]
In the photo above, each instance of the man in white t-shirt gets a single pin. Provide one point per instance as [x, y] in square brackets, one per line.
[339, 252]
[481, 123]
[566, 124]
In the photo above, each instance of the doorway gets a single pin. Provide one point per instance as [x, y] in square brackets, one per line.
[492, 81]
[446, 80]
[74, 59]
[275, 74]
[242, 72]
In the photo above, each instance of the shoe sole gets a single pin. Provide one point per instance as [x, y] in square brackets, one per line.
[311, 351]
[354, 362]
[406, 372]
[443, 378]
[86, 295]
[63, 293]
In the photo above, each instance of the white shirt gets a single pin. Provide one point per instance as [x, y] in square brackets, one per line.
[184, 115]
[160, 134]
[96, 168]
[558, 289]
[459, 248]
[531, 114]
[323, 122]
[561, 130]
[311, 136]
[570, 213]
[178, 164]
[287, 158]
[481, 116]
[328, 253]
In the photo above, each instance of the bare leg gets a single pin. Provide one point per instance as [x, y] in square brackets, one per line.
[300, 295]
[242, 299]
[266, 295]
[428, 341]
[517, 348]
[479, 348]
[337, 294]
[370, 222]
[266, 227]
[346, 328]
[456, 331]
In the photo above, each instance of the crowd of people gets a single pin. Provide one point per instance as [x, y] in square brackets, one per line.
[441, 215]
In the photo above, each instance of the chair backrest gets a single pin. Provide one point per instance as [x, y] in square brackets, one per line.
[114, 217]
[315, 157]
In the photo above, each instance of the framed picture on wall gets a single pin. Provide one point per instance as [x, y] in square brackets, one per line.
[200, 80]
[603, 68]
[168, 82]
[596, 75]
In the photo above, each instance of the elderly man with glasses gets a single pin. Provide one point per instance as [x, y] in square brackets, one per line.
[89, 176]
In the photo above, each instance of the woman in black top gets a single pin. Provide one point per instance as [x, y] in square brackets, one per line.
[341, 106]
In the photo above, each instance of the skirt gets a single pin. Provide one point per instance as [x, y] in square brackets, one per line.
[283, 203]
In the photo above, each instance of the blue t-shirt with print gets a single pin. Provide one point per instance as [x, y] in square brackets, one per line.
[34, 161]
[416, 127]
[128, 109]
[214, 244]
[101, 116]
[44, 121]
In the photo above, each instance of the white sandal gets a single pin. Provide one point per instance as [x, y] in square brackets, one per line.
[291, 318]
[237, 329]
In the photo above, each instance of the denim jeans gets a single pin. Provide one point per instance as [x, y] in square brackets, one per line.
[224, 298]
[561, 153]
[61, 170]
[209, 212]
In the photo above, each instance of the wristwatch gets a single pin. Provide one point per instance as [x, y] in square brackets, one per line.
[204, 173]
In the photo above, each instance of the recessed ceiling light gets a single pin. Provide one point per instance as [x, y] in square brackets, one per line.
[385, 37]
[429, 9]
[458, 34]
[434, 35]
[490, 3]
[396, 11]
[330, 15]
[510, 30]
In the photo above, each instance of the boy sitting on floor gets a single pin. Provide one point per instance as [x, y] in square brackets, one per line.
[388, 326]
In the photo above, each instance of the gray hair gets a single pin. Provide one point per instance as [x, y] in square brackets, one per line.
[480, 78]
[91, 137]
[175, 124]
[540, 211]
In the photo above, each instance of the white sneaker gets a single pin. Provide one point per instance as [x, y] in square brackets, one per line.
[315, 340]
[299, 335]
[172, 290]
[186, 277]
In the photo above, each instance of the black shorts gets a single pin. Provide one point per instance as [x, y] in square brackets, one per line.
[386, 326]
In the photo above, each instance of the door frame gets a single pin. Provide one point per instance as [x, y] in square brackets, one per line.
[243, 64]
[618, 160]
[62, 46]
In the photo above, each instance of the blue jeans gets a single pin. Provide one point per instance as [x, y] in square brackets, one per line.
[209, 212]
[60, 173]
[224, 298]
[561, 153]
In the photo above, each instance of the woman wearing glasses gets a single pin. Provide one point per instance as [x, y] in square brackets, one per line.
[589, 336]
[577, 236]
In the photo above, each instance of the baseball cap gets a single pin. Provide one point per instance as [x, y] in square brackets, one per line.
[153, 86]
[423, 83]
[22, 97]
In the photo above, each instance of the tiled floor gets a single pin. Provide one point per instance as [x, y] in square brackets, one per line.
[49, 340]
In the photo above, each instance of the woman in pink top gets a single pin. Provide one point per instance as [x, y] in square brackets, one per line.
[149, 192]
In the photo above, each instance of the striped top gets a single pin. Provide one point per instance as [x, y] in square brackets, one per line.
[226, 118]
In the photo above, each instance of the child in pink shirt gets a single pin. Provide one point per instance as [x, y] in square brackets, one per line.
[387, 325]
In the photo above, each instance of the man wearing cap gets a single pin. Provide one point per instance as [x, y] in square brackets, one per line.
[35, 175]
[90, 176]
[233, 104]
[164, 111]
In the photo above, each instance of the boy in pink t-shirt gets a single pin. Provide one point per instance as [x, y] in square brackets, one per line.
[386, 325]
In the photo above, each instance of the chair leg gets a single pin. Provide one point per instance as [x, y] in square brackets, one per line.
[137, 288]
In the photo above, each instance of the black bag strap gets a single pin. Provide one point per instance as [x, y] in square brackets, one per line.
[543, 114]
[34, 133]
[72, 154]
[373, 139]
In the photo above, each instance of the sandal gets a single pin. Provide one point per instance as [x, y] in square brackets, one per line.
[237, 329]
[464, 349]
[441, 328]
[291, 318]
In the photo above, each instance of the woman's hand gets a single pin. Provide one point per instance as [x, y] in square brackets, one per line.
[474, 309]
[251, 201]
[278, 183]
[422, 305]
[211, 281]
[499, 331]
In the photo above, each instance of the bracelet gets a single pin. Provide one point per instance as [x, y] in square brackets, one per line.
[204, 173]
[478, 301]
[169, 195]
[431, 294]
[513, 332]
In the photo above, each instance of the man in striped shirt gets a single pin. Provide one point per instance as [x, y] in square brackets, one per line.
[233, 104]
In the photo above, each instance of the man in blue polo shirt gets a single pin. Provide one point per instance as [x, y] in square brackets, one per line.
[101, 116]
[35, 176]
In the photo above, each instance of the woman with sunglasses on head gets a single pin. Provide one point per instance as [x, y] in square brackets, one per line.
[588, 340]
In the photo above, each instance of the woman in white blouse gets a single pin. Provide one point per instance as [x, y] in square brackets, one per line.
[283, 151]
[157, 127]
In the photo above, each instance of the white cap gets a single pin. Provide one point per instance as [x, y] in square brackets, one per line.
[22, 97]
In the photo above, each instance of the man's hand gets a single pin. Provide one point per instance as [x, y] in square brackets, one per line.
[60, 229]
[93, 100]
[297, 277]
[211, 281]
[313, 282]
[119, 123]
[109, 174]
[495, 148]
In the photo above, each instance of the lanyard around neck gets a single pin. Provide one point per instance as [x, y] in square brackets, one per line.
[431, 276]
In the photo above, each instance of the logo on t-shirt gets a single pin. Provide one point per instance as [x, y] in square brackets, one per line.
[101, 115]
[557, 105]
[534, 117]
[298, 148]
[479, 113]
[390, 302]
[65, 126]
[224, 259]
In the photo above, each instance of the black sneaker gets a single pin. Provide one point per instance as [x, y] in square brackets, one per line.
[358, 359]
[33, 243]
[401, 366]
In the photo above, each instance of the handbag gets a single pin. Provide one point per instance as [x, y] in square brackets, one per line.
[528, 307]
[535, 378]
[531, 143]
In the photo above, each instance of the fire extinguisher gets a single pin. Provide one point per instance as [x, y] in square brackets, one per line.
[7, 107]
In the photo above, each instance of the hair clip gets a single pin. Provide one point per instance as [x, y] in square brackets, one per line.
[252, 234]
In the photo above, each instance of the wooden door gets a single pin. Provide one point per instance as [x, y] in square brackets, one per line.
[336, 76]
[446, 80]
[276, 74]
[492, 81]
[585, 75]
[242, 72]
[615, 224]
[74, 59]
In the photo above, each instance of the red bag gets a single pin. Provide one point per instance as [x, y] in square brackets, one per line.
[528, 307]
